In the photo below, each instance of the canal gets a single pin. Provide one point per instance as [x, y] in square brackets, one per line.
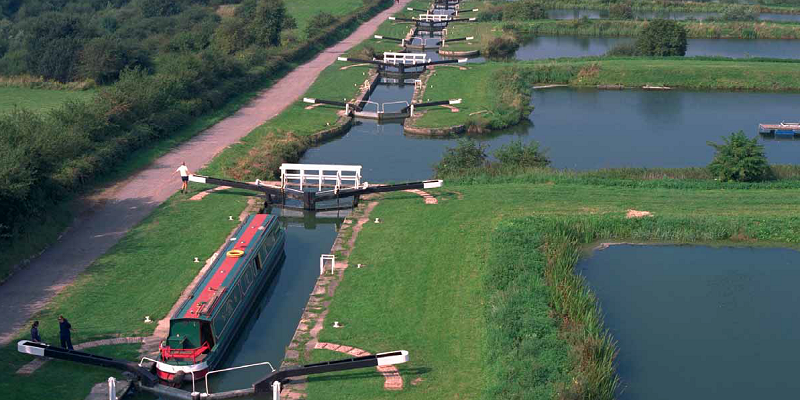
[695, 322]
[542, 47]
[583, 128]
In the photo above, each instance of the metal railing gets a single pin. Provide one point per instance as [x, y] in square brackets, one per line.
[236, 368]
[383, 105]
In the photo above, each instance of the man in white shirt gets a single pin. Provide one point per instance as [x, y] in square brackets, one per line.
[184, 176]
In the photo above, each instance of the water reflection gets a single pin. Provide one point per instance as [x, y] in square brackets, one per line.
[582, 46]
[700, 322]
[570, 14]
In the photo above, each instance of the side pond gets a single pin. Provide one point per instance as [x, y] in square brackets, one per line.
[542, 47]
[677, 15]
[695, 322]
[583, 129]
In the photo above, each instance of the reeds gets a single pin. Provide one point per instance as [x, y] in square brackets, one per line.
[532, 263]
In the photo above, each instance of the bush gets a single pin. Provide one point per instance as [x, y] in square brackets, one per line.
[501, 48]
[738, 14]
[524, 10]
[739, 159]
[466, 155]
[491, 13]
[518, 154]
[622, 50]
[620, 11]
[318, 24]
[662, 38]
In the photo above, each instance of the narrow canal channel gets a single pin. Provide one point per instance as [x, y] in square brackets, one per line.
[700, 322]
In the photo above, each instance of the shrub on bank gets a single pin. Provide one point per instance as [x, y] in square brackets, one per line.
[739, 159]
[522, 155]
[500, 48]
[523, 10]
[620, 11]
[467, 154]
[662, 38]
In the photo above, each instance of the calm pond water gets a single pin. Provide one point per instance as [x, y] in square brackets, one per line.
[700, 322]
[588, 129]
[582, 46]
[602, 14]
[584, 129]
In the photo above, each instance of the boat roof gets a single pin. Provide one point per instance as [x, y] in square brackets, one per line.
[225, 269]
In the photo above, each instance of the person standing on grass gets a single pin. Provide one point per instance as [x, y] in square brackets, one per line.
[184, 171]
[65, 329]
[35, 332]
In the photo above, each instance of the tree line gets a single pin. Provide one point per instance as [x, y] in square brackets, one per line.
[165, 63]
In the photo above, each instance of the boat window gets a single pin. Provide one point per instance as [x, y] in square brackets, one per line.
[223, 315]
[257, 261]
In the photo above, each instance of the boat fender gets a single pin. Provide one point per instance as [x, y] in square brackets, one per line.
[235, 253]
[177, 379]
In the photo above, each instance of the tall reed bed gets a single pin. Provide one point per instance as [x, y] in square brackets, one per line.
[786, 177]
[546, 333]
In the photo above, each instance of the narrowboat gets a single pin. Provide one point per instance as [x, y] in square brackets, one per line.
[206, 324]
[782, 129]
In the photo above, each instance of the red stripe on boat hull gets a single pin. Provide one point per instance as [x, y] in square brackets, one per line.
[225, 269]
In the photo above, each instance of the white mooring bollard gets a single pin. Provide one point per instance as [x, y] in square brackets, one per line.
[276, 390]
[326, 257]
[112, 388]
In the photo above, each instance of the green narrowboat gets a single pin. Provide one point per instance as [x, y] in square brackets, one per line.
[206, 324]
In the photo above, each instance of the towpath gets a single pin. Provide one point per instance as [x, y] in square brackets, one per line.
[108, 215]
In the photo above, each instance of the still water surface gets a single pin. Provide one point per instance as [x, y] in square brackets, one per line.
[583, 46]
[585, 129]
[696, 322]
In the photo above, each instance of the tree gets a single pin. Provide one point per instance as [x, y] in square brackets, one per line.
[501, 48]
[739, 159]
[662, 38]
[620, 11]
[318, 23]
[52, 43]
[523, 10]
[103, 58]
[467, 154]
[518, 154]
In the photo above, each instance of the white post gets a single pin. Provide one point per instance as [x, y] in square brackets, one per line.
[276, 390]
[322, 259]
[412, 110]
[347, 109]
[302, 178]
[112, 388]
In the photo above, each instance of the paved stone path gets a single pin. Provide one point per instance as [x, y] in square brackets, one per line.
[429, 199]
[108, 215]
[392, 378]
[37, 363]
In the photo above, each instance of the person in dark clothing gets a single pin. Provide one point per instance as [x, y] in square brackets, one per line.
[35, 332]
[64, 328]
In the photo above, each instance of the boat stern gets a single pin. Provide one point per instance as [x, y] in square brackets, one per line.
[178, 373]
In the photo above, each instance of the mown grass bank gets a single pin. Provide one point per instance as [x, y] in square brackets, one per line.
[38, 99]
[475, 302]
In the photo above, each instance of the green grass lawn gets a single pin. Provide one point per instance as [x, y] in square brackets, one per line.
[423, 288]
[57, 379]
[304, 10]
[38, 99]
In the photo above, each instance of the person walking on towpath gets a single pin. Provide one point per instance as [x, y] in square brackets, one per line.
[184, 177]
[35, 332]
[64, 328]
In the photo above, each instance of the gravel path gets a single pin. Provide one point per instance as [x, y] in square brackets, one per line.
[110, 214]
